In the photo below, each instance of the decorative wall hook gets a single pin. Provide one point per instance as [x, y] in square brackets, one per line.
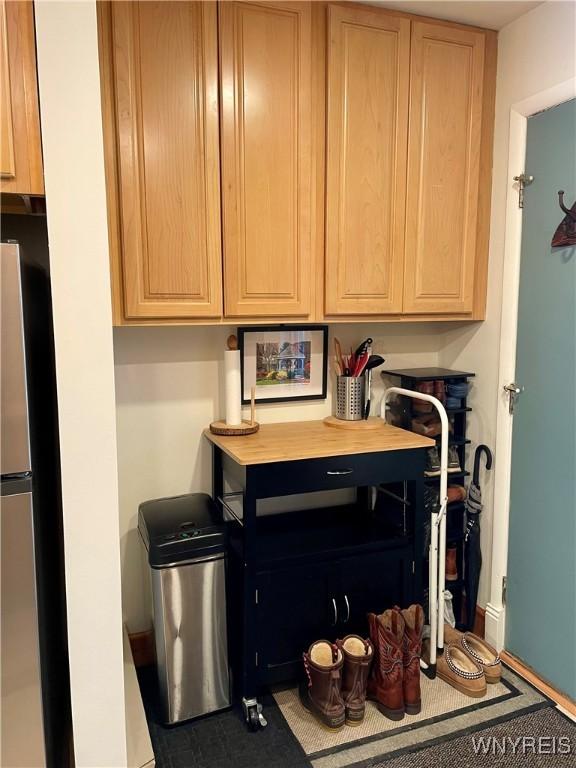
[566, 232]
[570, 213]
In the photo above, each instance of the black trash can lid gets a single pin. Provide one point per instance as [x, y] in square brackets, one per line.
[180, 528]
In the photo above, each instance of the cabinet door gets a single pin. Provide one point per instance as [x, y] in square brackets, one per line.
[20, 150]
[371, 584]
[266, 157]
[447, 70]
[166, 85]
[368, 73]
[296, 606]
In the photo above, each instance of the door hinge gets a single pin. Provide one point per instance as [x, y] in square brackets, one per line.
[504, 580]
[523, 181]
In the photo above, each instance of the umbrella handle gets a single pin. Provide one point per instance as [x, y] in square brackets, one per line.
[479, 451]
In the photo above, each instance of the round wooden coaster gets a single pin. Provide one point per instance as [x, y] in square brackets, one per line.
[246, 428]
[375, 423]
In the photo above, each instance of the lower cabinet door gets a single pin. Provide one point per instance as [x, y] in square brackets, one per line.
[296, 606]
[371, 584]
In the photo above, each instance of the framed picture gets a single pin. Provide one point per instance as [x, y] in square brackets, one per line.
[284, 362]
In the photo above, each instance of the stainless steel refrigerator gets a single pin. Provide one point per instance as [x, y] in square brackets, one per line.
[35, 700]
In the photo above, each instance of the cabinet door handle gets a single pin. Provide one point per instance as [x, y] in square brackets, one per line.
[347, 619]
[339, 471]
[335, 613]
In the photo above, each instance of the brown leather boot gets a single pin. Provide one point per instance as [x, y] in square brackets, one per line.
[385, 681]
[358, 655]
[320, 694]
[412, 650]
[451, 570]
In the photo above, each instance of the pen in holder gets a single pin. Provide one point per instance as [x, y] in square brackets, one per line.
[350, 396]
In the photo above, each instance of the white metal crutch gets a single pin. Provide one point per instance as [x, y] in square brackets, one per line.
[437, 559]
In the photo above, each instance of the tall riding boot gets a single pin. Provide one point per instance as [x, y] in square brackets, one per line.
[385, 681]
[320, 694]
[412, 650]
[358, 655]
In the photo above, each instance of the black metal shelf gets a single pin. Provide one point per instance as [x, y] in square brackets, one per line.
[428, 374]
[404, 413]
[454, 440]
[451, 476]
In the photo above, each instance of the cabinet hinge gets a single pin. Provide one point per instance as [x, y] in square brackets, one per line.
[523, 181]
[504, 581]
[256, 597]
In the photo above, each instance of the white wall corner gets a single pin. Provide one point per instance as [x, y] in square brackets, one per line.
[70, 109]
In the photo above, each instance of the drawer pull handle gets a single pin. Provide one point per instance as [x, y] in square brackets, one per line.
[335, 613]
[339, 471]
[347, 619]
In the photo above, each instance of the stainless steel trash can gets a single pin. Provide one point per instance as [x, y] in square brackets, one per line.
[186, 546]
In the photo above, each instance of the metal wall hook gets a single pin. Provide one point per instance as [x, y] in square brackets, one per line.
[567, 211]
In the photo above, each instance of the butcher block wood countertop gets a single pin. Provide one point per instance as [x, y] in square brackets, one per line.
[296, 440]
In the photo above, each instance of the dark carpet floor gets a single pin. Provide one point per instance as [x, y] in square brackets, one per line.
[554, 746]
[220, 740]
[223, 741]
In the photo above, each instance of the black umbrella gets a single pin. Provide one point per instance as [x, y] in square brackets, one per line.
[472, 551]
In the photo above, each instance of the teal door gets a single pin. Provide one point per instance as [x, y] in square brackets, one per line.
[541, 581]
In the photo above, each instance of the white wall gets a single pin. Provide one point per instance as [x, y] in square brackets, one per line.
[168, 389]
[535, 52]
[77, 229]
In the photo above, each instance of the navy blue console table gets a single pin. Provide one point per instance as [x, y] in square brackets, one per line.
[295, 577]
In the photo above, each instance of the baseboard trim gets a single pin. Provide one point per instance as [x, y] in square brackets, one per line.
[532, 677]
[142, 645]
[494, 625]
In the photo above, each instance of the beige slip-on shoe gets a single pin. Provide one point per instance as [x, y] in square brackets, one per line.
[461, 671]
[479, 649]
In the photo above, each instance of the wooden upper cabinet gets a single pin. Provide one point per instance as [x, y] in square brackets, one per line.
[266, 112]
[20, 147]
[444, 152]
[367, 125]
[166, 89]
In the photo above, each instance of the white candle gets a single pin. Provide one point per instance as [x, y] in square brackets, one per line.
[232, 385]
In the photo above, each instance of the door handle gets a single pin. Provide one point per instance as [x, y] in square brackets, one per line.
[513, 391]
[339, 471]
[335, 609]
[347, 619]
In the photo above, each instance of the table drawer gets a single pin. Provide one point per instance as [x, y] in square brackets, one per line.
[330, 473]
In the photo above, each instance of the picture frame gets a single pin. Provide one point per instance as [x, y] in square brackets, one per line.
[285, 363]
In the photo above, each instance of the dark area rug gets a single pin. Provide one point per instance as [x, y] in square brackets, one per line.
[222, 740]
[507, 744]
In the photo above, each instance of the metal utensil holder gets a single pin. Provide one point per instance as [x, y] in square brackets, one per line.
[350, 398]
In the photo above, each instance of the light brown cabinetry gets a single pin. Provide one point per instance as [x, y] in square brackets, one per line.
[368, 77]
[410, 110]
[248, 140]
[20, 149]
[446, 84]
[165, 69]
[265, 51]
